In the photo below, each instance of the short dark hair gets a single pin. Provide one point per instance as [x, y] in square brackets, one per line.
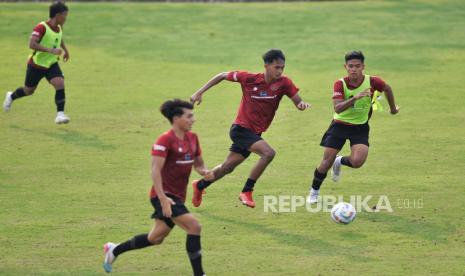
[172, 108]
[355, 55]
[272, 55]
[57, 7]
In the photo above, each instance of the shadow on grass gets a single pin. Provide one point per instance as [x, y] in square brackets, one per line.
[71, 137]
[415, 226]
[311, 245]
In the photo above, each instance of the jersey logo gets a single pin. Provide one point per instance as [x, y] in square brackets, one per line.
[263, 95]
[159, 147]
[274, 88]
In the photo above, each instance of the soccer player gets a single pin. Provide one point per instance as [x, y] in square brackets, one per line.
[174, 153]
[352, 100]
[47, 45]
[261, 95]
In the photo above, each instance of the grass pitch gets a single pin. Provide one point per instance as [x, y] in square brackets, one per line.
[65, 190]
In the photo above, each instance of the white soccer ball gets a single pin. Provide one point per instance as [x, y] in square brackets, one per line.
[343, 213]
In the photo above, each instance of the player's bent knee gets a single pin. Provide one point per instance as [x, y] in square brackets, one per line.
[156, 241]
[195, 228]
[29, 91]
[357, 163]
[269, 155]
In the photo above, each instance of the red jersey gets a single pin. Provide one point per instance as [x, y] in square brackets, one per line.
[375, 82]
[39, 31]
[260, 100]
[180, 155]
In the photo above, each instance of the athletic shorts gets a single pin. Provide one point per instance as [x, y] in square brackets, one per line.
[34, 74]
[337, 134]
[242, 138]
[178, 209]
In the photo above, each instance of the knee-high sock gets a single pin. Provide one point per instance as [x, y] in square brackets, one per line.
[318, 179]
[60, 99]
[195, 254]
[19, 92]
[137, 242]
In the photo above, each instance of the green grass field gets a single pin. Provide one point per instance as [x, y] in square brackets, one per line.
[66, 190]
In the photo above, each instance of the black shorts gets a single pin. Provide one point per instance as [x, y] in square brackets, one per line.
[178, 209]
[34, 75]
[243, 138]
[337, 134]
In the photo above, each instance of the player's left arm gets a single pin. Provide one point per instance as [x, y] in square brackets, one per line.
[299, 103]
[201, 168]
[66, 55]
[390, 98]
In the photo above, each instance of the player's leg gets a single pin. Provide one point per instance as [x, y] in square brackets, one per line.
[333, 140]
[242, 139]
[231, 162]
[159, 232]
[321, 172]
[359, 146]
[193, 246]
[358, 156]
[56, 79]
[33, 77]
[266, 153]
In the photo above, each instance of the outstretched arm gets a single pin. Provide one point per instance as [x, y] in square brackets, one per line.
[197, 96]
[299, 103]
[390, 98]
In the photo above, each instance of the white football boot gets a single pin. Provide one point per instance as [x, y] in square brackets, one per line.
[313, 196]
[8, 101]
[336, 171]
[109, 257]
[61, 118]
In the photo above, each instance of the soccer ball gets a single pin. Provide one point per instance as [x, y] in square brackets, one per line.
[343, 213]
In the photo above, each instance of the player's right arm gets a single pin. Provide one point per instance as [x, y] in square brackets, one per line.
[197, 96]
[341, 105]
[157, 164]
[34, 44]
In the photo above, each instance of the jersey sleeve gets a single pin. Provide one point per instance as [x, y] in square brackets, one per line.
[38, 31]
[237, 76]
[161, 146]
[338, 90]
[377, 83]
[290, 89]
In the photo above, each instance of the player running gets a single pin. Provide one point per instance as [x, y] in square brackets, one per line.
[353, 99]
[174, 153]
[261, 95]
[47, 45]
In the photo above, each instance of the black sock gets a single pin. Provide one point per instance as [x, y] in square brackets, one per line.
[346, 161]
[249, 184]
[60, 99]
[202, 184]
[318, 179]
[195, 254]
[18, 93]
[137, 242]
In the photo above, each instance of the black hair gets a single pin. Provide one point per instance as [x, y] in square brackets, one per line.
[272, 55]
[57, 7]
[355, 55]
[172, 108]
